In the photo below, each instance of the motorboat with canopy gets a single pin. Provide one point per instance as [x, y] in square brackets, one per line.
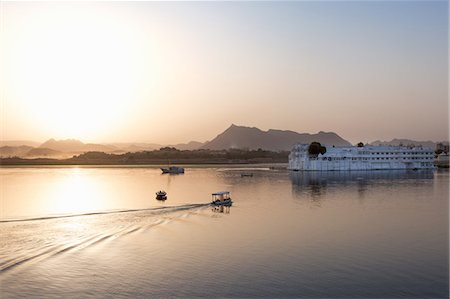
[221, 198]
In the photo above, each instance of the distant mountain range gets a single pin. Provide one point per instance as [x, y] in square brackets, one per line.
[239, 137]
[15, 151]
[274, 140]
[405, 142]
[19, 143]
[75, 146]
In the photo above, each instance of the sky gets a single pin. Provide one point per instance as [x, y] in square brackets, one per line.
[170, 72]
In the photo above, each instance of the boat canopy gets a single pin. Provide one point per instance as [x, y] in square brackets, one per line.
[221, 193]
[221, 196]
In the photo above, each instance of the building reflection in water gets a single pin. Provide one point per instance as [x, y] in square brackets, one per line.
[316, 184]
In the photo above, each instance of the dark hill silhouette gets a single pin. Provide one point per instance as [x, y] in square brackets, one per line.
[274, 140]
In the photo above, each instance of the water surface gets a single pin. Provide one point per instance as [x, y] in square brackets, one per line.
[99, 232]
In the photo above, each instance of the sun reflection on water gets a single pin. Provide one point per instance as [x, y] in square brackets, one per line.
[78, 193]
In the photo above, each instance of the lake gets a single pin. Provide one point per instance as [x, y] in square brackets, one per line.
[89, 232]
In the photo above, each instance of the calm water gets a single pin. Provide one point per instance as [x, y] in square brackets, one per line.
[99, 232]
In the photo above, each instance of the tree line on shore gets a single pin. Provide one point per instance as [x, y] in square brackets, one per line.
[164, 155]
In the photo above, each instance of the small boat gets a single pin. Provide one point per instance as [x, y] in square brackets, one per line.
[221, 199]
[161, 195]
[246, 175]
[173, 169]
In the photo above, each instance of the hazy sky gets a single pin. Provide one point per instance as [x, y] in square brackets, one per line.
[171, 72]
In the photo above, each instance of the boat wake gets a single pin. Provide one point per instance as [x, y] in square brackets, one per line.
[21, 244]
[165, 209]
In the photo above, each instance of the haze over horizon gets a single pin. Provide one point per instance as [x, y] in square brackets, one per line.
[171, 72]
[189, 141]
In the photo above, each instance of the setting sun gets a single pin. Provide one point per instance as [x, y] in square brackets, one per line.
[77, 78]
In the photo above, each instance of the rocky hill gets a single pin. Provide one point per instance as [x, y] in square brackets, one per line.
[275, 140]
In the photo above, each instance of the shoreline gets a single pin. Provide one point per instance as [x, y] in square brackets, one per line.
[274, 165]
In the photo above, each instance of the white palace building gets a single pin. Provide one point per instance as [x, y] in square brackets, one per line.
[361, 158]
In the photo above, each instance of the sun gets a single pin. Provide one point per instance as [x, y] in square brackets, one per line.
[71, 71]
